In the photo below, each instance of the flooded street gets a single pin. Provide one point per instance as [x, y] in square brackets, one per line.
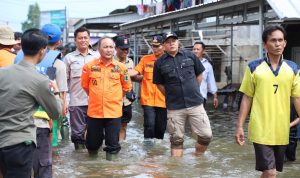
[224, 157]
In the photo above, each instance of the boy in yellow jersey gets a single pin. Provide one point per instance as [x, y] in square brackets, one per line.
[267, 85]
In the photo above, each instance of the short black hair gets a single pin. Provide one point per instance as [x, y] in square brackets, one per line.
[270, 29]
[32, 41]
[200, 43]
[18, 35]
[81, 29]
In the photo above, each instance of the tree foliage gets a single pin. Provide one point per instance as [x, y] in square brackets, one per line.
[33, 17]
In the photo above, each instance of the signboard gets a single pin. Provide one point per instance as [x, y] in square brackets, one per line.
[57, 17]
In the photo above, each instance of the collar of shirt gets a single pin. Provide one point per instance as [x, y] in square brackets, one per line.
[275, 72]
[178, 52]
[77, 52]
[6, 49]
[268, 60]
[204, 60]
[113, 62]
[126, 61]
[27, 64]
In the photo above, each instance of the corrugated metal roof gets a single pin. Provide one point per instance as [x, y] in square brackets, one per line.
[110, 19]
[182, 13]
[286, 9]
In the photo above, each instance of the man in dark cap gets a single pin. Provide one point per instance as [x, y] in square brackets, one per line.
[178, 74]
[152, 100]
[122, 51]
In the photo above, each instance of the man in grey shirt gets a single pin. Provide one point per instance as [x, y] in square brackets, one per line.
[22, 90]
[78, 98]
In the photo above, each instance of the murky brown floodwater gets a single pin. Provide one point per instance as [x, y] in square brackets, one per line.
[224, 158]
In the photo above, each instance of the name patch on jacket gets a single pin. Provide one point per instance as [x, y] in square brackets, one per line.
[95, 68]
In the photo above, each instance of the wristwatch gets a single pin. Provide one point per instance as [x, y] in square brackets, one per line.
[56, 93]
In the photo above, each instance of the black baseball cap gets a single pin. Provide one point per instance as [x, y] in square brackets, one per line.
[156, 40]
[122, 42]
[169, 35]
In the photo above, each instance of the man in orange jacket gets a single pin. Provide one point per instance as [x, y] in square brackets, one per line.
[7, 40]
[104, 80]
[152, 100]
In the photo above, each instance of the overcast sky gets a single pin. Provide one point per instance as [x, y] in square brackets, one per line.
[14, 12]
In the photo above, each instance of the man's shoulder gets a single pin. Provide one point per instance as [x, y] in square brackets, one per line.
[161, 59]
[120, 64]
[71, 54]
[190, 54]
[292, 65]
[59, 62]
[4, 53]
[255, 63]
[129, 60]
[94, 53]
[92, 62]
[148, 57]
[206, 63]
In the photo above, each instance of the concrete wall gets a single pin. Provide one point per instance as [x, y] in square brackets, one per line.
[246, 47]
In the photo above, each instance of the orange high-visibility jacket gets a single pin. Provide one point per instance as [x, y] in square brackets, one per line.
[150, 94]
[105, 85]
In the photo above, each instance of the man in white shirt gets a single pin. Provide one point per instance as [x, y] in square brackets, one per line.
[208, 83]
[78, 98]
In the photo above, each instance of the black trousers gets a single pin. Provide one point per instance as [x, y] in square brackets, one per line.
[16, 160]
[99, 129]
[127, 114]
[155, 122]
[42, 157]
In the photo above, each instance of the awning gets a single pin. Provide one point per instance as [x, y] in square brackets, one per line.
[286, 9]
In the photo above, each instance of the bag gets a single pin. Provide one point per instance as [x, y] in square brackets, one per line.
[51, 72]
[131, 96]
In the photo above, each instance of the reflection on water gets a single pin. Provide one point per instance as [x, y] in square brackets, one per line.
[223, 159]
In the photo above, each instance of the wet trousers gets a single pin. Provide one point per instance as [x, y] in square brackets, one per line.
[42, 157]
[78, 123]
[155, 122]
[99, 129]
[16, 160]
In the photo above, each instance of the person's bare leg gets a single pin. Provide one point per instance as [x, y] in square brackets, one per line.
[269, 173]
[122, 135]
[200, 149]
[176, 152]
[1, 176]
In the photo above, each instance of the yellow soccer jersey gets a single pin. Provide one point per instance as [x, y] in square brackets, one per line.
[271, 92]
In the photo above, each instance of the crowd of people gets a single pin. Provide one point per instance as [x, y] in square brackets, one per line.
[36, 78]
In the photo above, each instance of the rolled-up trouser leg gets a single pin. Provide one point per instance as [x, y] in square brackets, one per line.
[175, 126]
[78, 117]
[200, 124]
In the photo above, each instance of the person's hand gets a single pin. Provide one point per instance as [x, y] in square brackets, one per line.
[216, 102]
[239, 136]
[53, 86]
[65, 110]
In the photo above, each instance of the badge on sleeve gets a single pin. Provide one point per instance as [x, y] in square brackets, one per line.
[126, 78]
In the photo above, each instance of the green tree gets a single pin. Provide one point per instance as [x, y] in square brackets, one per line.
[33, 17]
